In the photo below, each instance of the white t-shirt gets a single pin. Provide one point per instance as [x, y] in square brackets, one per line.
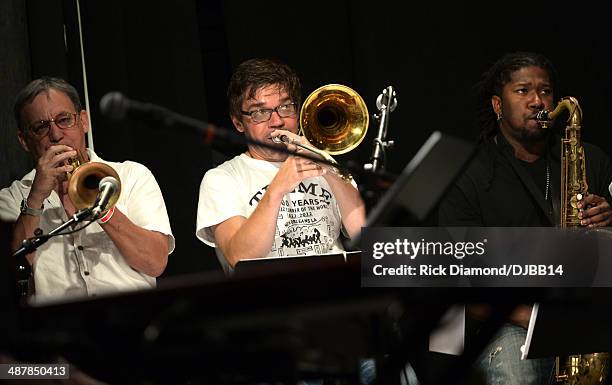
[87, 262]
[309, 220]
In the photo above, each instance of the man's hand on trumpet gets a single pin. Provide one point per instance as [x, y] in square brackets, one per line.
[51, 170]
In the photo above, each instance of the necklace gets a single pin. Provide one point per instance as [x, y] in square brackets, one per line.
[547, 181]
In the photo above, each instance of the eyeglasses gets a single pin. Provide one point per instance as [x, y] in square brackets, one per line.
[264, 114]
[64, 120]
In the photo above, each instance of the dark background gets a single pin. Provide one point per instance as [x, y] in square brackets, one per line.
[180, 55]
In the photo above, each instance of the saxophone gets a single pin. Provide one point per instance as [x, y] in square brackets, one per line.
[581, 369]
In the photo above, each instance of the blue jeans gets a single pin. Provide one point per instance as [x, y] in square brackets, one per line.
[367, 373]
[500, 362]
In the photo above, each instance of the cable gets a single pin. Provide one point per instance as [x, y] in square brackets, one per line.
[48, 236]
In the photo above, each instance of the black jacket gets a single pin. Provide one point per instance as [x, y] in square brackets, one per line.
[497, 190]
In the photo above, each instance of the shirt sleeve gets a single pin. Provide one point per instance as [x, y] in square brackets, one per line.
[337, 211]
[144, 203]
[10, 201]
[219, 200]
[603, 176]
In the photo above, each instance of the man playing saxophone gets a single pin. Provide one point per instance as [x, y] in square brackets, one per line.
[125, 249]
[514, 181]
[264, 203]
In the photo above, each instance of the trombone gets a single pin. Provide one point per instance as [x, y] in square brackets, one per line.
[334, 120]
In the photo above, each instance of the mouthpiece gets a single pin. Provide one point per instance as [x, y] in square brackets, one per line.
[543, 115]
[282, 139]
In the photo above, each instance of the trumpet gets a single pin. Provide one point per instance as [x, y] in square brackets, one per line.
[83, 188]
[334, 120]
[84, 180]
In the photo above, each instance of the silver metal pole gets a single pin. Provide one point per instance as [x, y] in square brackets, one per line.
[90, 141]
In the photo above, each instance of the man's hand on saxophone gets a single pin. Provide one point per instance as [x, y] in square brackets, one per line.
[595, 211]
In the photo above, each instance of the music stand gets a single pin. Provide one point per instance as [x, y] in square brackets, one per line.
[409, 202]
[249, 266]
[566, 329]
[423, 182]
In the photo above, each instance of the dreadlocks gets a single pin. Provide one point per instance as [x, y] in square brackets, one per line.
[493, 80]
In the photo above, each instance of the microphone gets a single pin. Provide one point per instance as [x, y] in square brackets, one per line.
[108, 187]
[117, 106]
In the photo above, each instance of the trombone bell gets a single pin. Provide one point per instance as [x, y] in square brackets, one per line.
[334, 118]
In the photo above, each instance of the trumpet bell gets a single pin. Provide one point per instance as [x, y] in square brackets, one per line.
[334, 118]
[83, 186]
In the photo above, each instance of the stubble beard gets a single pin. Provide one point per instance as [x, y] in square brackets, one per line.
[529, 135]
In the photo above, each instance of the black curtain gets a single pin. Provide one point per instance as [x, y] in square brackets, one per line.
[151, 52]
[180, 55]
[14, 73]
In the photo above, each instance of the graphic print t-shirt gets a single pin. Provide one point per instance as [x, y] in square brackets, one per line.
[308, 220]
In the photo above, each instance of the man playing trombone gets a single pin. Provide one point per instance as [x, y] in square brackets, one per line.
[264, 203]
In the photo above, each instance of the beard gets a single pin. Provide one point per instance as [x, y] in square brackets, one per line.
[530, 132]
[527, 136]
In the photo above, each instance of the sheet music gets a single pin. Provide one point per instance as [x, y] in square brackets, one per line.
[345, 254]
[532, 321]
[294, 261]
[449, 336]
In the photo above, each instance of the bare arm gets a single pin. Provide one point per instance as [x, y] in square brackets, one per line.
[144, 250]
[242, 238]
[24, 228]
[352, 207]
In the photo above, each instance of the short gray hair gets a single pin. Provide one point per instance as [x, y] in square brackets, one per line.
[44, 84]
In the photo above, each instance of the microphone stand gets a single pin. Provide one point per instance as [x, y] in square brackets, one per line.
[24, 271]
[386, 103]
